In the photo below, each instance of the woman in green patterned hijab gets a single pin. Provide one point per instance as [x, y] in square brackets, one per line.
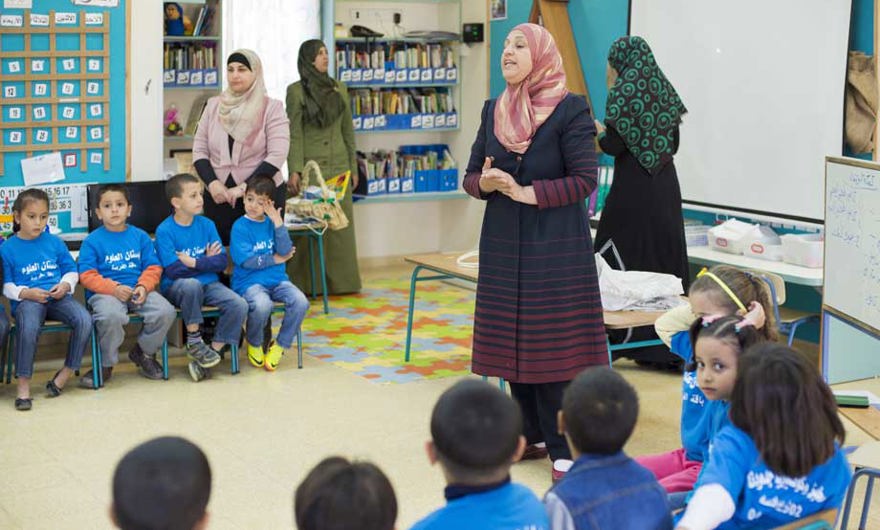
[642, 105]
[322, 101]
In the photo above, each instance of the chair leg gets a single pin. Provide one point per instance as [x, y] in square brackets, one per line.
[233, 352]
[9, 360]
[97, 363]
[299, 349]
[165, 359]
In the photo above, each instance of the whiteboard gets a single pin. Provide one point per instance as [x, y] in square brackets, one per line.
[852, 239]
[763, 82]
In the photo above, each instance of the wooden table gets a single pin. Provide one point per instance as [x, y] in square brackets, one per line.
[444, 266]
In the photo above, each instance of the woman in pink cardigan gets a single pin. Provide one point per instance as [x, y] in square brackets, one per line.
[242, 133]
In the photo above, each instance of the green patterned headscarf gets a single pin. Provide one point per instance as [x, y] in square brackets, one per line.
[321, 98]
[642, 105]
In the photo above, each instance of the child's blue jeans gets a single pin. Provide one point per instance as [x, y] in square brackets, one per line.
[190, 295]
[260, 301]
[111, 316]
[29, 318]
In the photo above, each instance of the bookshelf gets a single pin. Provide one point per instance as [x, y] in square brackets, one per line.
[404, 88]
[191, 71]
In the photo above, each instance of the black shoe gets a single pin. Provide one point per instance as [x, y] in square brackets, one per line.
[53, 390]
[23, 403]
[149, 366]
[87, 381]
[197, 373]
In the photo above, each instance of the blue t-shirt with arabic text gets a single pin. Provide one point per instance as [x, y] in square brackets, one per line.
[36, 263]
[118, 256]
[193, 240]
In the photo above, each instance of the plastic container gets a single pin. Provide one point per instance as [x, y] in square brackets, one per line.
[806, 250]
[730, 236]
[696, 235]
[764, 244]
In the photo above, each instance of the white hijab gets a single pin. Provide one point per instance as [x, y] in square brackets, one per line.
[241, 113]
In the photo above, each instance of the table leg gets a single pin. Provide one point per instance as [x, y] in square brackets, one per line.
[312, 267]
[323, 272]
[409, 317]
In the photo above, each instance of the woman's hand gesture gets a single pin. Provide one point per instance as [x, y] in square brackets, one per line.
[219, 192]
[494, 179]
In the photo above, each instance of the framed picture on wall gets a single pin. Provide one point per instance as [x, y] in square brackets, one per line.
[498, 10]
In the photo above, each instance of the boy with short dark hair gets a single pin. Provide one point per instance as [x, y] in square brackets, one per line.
[162, 483]
[476, 435]
[192, 255]
[259, 246]
[604, 487]
[339, 494]
[119, 268]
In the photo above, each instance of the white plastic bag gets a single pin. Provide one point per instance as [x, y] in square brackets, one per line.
[637, 290]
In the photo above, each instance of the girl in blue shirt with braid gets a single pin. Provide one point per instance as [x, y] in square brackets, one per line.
[259, 246]
[780, 461]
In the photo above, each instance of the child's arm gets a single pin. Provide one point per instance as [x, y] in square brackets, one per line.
[674, 321]
[214, 259]
[152, 273]
[241, 245]
[710, 506]
[168, 259]
[89, 276]
[283, 244]
[557, 512]
[67, 267]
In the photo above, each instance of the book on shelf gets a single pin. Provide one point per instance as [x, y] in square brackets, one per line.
[195, 114]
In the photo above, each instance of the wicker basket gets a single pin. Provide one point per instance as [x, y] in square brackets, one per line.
[327, 208]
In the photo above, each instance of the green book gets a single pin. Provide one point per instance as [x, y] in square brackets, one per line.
[851, 401]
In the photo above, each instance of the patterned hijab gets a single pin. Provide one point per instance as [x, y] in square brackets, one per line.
[642, 106]
[522, 108]
[322, 101]
[240, 114]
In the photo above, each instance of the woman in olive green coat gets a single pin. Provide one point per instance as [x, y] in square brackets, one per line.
[321, 130]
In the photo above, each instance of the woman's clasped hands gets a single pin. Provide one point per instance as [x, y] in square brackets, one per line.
[495, 179]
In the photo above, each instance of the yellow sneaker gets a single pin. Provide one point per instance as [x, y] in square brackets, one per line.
[273, 357]
[255, 355]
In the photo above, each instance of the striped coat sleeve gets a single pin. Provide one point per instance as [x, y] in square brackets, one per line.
[471, 182]
[579, 154]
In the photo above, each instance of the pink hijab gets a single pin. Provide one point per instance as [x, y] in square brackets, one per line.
[522, 108]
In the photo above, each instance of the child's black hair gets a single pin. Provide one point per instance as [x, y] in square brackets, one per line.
[600, 409]
[338, 495]
[261, 185]
[782, 402]
[475, 428]
[174, 186]
[162, 483]
[108, 188]
[24, 198]
[733, 330]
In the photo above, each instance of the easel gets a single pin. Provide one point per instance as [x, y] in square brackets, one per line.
[553, 15]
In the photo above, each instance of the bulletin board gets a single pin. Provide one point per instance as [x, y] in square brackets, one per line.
[63, 85]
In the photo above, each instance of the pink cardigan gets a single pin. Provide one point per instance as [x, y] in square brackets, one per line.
[270, 142]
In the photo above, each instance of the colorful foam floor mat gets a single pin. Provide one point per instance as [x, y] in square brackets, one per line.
[366, 333]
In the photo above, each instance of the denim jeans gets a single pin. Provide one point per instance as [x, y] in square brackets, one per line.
[111, 316]
[190, 295]
[29, 318]
[260, 300]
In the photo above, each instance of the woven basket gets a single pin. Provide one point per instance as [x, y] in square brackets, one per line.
[327, 208]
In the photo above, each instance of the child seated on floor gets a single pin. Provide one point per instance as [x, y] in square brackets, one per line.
[191, 253]
[338, 494]
[605, 488]
[476, 432]
[162, 483]
[780, 460]
[120, 270]
[259, 246]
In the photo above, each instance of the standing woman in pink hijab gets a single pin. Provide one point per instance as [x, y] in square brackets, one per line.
[538, 319]
[242, 133]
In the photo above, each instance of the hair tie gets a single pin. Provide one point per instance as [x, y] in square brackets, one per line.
[708, 319]
[724, 287]
[744, 323]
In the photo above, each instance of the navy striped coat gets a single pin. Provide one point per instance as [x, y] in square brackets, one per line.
[538, 316]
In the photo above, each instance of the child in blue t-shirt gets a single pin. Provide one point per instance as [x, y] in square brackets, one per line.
[780, 460]
[476, 435]
[192, 256]
[260, 245]
[723, 290]
[39, 276]
[119, 268]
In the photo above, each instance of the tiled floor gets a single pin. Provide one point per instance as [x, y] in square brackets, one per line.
[261, 432]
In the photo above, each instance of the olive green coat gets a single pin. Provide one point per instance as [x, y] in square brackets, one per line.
[334, 151]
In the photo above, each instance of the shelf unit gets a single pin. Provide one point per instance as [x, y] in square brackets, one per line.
[410, 87]
[191, 71]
